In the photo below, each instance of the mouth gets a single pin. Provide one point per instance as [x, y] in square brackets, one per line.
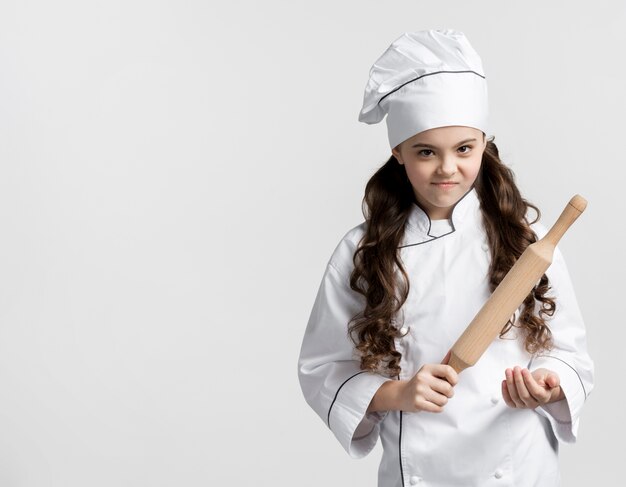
[445, 183]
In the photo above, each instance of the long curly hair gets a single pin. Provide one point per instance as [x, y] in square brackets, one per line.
[380, 277]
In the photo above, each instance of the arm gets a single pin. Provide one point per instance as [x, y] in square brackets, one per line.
[387, 397]
[569, 358]
[330, 376]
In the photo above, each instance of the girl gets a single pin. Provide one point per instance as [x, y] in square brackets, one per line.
[444, 223]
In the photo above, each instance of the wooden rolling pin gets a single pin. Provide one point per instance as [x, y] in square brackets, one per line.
[512, 291]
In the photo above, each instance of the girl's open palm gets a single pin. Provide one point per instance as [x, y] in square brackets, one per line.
[525, 389]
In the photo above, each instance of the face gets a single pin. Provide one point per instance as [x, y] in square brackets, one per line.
[450, 155]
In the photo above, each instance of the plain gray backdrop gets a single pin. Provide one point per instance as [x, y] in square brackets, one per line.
[173, 179]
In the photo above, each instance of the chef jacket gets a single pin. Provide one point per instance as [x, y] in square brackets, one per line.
[478, 440]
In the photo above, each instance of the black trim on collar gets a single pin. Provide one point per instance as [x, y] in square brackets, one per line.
[423, 76]
[430, 222]
[427, 241]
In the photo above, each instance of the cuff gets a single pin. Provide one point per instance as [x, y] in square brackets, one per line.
[564, 414]
[357, 431]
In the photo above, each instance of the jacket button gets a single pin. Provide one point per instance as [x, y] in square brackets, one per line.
[494, 400]
[498, 474]
[414, 480]
[403, 330]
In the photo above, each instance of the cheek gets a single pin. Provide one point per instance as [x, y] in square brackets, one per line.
[472, 168]
[417, 175]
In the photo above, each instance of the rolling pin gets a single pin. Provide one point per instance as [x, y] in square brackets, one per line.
[511, 291]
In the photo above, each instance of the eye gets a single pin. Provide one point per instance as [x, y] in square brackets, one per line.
[468, 147]
[421, 153]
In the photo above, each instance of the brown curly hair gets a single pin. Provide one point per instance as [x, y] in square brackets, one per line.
[386, 207]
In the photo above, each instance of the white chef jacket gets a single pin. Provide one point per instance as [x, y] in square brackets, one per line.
[477, 440]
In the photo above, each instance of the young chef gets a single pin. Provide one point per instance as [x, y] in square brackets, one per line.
[444, 223]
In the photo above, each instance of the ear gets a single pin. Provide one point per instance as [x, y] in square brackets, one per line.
[396, 154]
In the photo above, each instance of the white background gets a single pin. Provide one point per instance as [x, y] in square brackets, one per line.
[173, 179]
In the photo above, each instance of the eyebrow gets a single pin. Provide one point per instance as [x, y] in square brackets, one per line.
[421, 144]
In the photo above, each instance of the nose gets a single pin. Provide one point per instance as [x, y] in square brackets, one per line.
[447, 167]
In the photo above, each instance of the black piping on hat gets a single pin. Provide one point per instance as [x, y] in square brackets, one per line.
[428, 74]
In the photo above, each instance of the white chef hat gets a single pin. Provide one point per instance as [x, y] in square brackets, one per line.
[426, 79]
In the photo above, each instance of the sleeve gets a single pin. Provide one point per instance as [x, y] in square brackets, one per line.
[569, 358]
[329, 373]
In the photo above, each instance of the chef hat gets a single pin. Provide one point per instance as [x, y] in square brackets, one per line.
[426, 79]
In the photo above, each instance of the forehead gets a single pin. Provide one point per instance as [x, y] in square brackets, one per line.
[448, 134]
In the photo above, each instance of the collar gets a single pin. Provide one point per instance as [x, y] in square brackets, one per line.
[465, 212]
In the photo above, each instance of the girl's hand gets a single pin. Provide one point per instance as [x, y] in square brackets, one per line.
[523, 389]
[429, 389]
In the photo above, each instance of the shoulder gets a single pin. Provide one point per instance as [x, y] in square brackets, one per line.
[342, 256]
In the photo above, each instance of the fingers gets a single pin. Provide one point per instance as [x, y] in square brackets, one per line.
[439, 377]
[536, 390]
[511, 389]
[430, 407]
[437, 398]
[506, 396]
[553, 380]
[518, 392]
[431, 387]
[516, 388]
[522, 391]
[427, 399]
[445, 372]
[441, 386]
